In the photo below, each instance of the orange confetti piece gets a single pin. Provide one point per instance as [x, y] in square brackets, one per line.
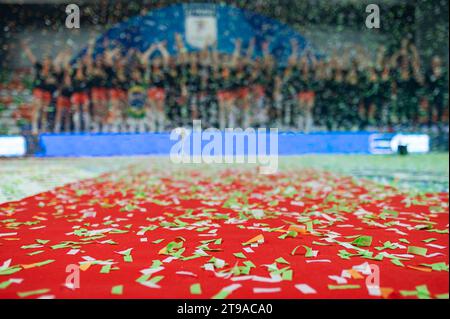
[85, 266]
[355, 274]
[421, 268]
[298, 229]
[385, 292]
[259, 238]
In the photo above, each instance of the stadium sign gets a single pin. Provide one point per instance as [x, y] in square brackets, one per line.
[12, 146]
[389, 143]
[200, 25]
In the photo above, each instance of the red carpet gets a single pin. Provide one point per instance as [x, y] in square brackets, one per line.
[311, 226]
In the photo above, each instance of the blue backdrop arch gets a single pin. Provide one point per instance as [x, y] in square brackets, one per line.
[199, 23]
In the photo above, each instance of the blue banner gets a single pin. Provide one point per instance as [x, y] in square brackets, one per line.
[205, 24]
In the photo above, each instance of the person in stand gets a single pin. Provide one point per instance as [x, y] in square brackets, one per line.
[193, 78]
[62, 70]
[241, 89]
[369, 86]
[80, 96]
[419, 89]
[156, 93]
[287, 95]
[305, 95]
[437, 87]
[225, 96]
[268, 74]
[319, 89]
[384, 95]
[118, 94]
[258, 109]
[44, 85]
[337, 99]
[406, 102]
[206, 102]
[136, 111]
[63, 103]
[99, 95]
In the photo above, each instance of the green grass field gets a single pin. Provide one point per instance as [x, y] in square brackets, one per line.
[20, 178]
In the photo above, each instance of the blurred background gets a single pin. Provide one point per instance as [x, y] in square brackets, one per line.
[309, 68]
[412, 33]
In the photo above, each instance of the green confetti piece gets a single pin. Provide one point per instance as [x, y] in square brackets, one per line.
[363, 241]
[309, 252]
[244, 270]
[417, 251]
[281, 260]
[43, 263]
[249, 264]
[429, 240]
[387, 245]
[397, 262]
[437, 266]
[156, 279]
[128, 258]
[143, 278]
[117, 290]
[196, 289]
[320, 244]
[5, 284]
[294, 250]
[105, 269]
[343, 287]
[287, 275]
[404, 240]
[408, 293]
[221, 294]
[439, 231]
[156, 264]
[31, 246]
[192, 257]
[240, 255]
[10, 270]
[58, 246]
[442, 296]
[42, 241]
[291, 233]
[35, 252]
[423, 292]
[32, 292]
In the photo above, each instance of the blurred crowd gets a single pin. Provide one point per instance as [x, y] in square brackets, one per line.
[120, 90]
[128, 91]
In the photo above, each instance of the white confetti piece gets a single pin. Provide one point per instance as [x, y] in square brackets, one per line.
[73, 252]
[374, 291]
[186, 273]
[306, 289]
[436, 246]
[339, 280]
[7, 234]
[265, 290]
[319, 261]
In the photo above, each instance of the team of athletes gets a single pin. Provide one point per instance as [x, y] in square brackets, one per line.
[116, 91]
